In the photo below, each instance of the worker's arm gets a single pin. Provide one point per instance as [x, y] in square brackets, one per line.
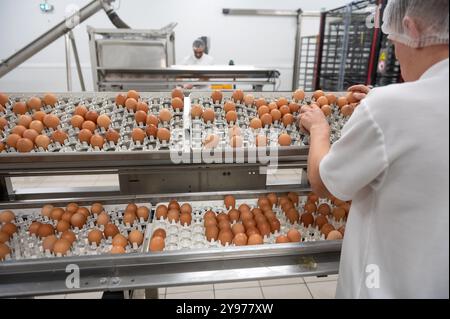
[313, 121]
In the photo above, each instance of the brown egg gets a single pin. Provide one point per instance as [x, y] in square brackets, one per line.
[210, 221]
[251, 229]
[59, 136]
[2, 147]
[282, 240]
[238, 95]
[294, 236]
[111, 230]
[7, 216]
[234, 215]
[45, 230]
[229, 201]
[119, 240]
[133, 94]
[157, 244]
[196, 111]
[131, 104]
[89, 125]
[25, 120]
[3, 123]
[298, 95]
[240, 239]
[274, 225]
[282, 102]
[245, 215]
[342, 101]
[49, 242]
[326, 109]
[342, 230]
[78, 220]
[288, 119]
[307, 219]
[231, 117]
[322, 101]
[47, 210]
[4, 251]
[112, 136]
[292, 215]
[216, 96]
[284, 110]
[264, 228]
[12, 139]
[102, 219]
[177, 104]
[96, 208]
[273, 198]
[97, 141]
[293, 197]
[255, 239]
[93, 117]
[331, 98]
[173, 215]
[223, 216]
[142, 106]
[208, 115]
[51, 121]
[4, 237]
[104, 121]
[260, 102]
[165, 115]
[37, 126]
[120, 99]
[339, 213]
[334, 235]
[159, 233]
[136, 236]
[224, 224]
[347, 110]
[117, 250]
[324, 209]
[18, 129]
[225, 236]
[317, 94]
[294, 107]
[263, 110]
[85, 135]
[9, 228]
[19, 108]
[80, 110]
[249, 100]
[310, 208]
[3, 98]
[143, 212]
[95, 236]
[209, 214]
[140, 117]
[326, 229]
[77, 121]
[185, 219]
[69, 236]
[61, 246]
[270, 214]
[186, 208]
[256, 123]
[211, 233]
[163, 134]
[138, 135]
[34, 228]
[236, 142]
[24, 145]
[62, 226]
[50, 99]
[129, 218]
[285, 140]
[66, 216]
[244, 208]
[56, 213]
[320, 221]
[229, 106]
[266, 120]
[161, 211]
[238, 229]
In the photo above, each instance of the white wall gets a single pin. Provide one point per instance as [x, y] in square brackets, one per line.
[259, 41]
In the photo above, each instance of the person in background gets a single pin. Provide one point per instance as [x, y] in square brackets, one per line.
[198, 56]
[393, 162]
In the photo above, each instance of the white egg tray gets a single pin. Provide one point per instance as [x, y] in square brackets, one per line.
[183, 237]
[122, 121]
[25, 246]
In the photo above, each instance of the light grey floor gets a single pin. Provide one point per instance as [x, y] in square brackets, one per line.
[291, 288]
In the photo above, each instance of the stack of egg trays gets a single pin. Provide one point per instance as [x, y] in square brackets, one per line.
[220, 127]
[175, 126]
[25, 246]
[183, 237]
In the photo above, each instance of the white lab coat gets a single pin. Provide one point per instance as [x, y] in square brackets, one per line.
[204, 60]
[393, 162]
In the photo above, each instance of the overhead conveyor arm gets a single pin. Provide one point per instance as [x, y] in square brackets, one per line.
[57, 31]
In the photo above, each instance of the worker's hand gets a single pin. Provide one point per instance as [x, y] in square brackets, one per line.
[311, 117]
[359, 91]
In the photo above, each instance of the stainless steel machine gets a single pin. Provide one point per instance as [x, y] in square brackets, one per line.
[151, 176]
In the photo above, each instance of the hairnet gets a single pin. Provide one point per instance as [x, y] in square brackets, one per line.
[199, 44]
[430, 17]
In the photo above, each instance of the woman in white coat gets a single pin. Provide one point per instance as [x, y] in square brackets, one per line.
[393, 162]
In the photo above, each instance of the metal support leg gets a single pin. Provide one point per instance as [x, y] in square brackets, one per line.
[298, 35]
[348, 19]
[77, 60]
[68, 66]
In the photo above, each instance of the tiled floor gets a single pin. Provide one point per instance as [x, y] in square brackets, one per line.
[287, 288]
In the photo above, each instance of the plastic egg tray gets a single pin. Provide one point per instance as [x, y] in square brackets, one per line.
[184, 237]
[26, 246]
[122, 121]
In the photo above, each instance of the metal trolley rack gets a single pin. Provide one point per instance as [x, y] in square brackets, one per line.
[147, 176]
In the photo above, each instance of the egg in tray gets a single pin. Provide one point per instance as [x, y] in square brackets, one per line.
[76, 230]
[242, 120]
[127, 123]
